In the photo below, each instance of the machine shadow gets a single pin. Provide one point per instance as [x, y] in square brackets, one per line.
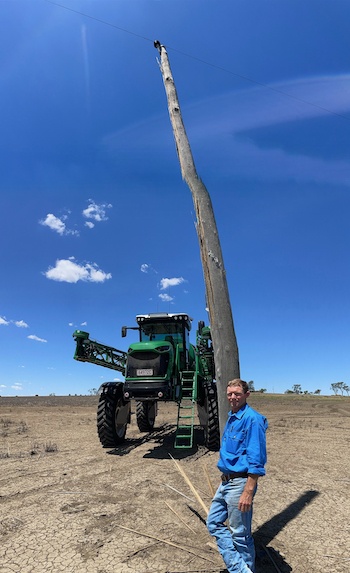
[161, 442]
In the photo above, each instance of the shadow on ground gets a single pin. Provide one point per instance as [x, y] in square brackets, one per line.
[161, 442]
[269, 560]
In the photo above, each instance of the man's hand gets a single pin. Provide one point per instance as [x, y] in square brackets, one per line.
[246, 499]
[245, 502]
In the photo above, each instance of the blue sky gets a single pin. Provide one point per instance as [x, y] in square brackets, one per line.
[95, 214]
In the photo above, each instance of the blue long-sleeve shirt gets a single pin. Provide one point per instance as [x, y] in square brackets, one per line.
[243, 445]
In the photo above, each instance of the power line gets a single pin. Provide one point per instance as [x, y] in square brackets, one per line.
[260, 84]
[98, 20]
[202, 61]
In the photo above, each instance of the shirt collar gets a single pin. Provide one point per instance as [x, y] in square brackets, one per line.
[240, 412]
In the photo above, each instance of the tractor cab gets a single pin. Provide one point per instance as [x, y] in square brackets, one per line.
[163, 351]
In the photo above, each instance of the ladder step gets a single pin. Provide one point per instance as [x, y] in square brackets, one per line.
[185, 422]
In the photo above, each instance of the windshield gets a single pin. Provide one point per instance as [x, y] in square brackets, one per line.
[162, 331]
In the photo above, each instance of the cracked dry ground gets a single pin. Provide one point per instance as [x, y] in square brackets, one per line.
[64, 498]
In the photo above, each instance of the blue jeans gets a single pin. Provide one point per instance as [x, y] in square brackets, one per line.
[236, 544]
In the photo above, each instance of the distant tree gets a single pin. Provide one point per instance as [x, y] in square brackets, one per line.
[341, 387]
[335, 387]
[289, 392]
[93, 392]
[297, 389]
[317, 391]
[346, 388]
[306, 392]
[52, 394]
[251, 386]
[262, 390]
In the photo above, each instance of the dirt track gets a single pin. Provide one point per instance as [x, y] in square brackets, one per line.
[63, 497]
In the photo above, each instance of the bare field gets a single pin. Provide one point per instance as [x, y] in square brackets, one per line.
[63, 498]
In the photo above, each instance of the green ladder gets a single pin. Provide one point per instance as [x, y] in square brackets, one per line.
[185, 413]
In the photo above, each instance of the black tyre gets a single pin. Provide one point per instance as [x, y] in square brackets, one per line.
[211, 428]
[145, 415]
[112, 416]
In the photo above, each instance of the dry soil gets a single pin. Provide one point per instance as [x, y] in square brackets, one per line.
[64, 499]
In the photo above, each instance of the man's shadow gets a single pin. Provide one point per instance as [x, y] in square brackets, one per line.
[268, 559]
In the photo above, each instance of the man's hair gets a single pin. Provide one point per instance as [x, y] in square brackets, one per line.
[239, 382]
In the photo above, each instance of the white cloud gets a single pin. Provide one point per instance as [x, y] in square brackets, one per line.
[33, 337]
[166, 283]
[145, 268]
[70, 324]
[71, 272]
[83, 324]
[4, 321]
[3, 386]
[96, 212]
[21, 324]
[89, 224]
[57, 224]
[17, 387]
[165, 297]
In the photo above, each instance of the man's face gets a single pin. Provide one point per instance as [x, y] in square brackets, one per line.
[236, 397]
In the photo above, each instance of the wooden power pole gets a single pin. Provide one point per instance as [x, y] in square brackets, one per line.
[220, 314]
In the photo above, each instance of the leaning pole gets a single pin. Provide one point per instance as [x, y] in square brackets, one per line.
[218, 299]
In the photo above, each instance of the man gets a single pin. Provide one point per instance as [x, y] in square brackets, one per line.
[242, 461]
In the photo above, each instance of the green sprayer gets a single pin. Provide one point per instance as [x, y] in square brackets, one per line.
[162, 366]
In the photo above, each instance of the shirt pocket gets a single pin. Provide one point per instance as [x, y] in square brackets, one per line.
[235, 442]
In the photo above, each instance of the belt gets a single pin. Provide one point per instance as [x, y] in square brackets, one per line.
[227, 477]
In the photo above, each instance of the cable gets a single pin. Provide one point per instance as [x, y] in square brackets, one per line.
[260, 84]
[202, 61]
[98, 20]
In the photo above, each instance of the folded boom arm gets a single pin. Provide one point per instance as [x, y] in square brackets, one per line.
[88, 350]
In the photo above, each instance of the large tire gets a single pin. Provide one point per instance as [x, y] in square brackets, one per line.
[145, 416]
[110, 404]
[211, 428]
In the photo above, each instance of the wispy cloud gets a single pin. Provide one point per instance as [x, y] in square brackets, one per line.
[34, 337]
[89, 224]
[57, 224]
[216, 125]
[4, 321]
[66, 270]
[21, 324]
[166, 283]
[146, 268]
[83, 324]
[166, 297]
[96, 212]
